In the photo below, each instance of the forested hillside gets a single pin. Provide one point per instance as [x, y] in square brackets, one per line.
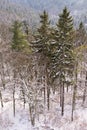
[29, 10]
[11, 10]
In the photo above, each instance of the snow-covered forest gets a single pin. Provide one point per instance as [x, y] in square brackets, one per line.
[43, 74]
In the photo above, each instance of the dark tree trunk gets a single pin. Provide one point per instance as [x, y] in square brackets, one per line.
[44, 96]
[32, 116]
[24, 100]
[62, 102]
[54, 89]
[14, 101]
[60, 95]
[84, 94]
[48, 88]
[48, 97]
[1, 99]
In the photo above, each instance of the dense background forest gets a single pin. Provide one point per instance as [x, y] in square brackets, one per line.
[43, 65]
[30, 10]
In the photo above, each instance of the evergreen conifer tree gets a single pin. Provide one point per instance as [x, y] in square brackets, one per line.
[19, 42]
[62, 57]
[42, 38]
[42, 46]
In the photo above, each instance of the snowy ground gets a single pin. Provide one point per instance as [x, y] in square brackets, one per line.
[51, 121]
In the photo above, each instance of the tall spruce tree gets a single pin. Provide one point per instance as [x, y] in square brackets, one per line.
[62, 57]
[42, 38]
[41, 45]
[19, 42]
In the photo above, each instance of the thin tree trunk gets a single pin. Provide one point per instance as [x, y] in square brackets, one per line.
[1, 99]
[62, 102]
[48, 97]
[60, 95]
[54, 89]
[24, 101]
[74, 93]
[32, 117]
[44, 89]
[48, 88]
[2, 71]
[3, 81]
[14, 101]
[84, 94]
[73, 101]
[44, 96]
